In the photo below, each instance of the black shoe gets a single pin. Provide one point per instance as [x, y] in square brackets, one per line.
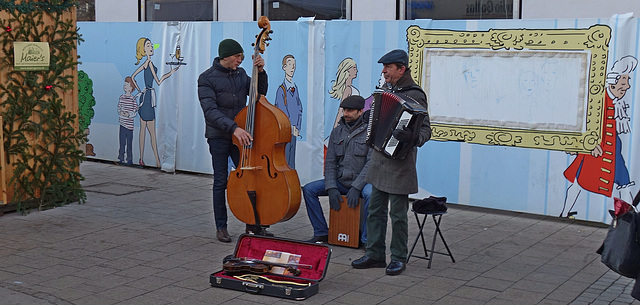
[367, 262]
[395, 267]
[319, 239]
[258, 230]
[223, 236]
[267, 233]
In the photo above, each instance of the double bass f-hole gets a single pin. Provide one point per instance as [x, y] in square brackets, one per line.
[271, 175]
[240, 171]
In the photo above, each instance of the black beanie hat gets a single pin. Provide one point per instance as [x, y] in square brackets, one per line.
[229, 47]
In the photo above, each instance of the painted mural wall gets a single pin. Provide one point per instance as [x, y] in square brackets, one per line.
[528, 115]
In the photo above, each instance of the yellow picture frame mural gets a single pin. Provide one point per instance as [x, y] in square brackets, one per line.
[593, 42]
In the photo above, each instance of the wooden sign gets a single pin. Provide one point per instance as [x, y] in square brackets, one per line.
[31, 56]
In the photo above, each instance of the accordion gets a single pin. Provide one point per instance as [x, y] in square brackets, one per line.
[391, 111]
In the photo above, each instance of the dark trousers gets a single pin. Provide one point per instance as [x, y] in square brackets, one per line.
[126, 138]
[290, 152]
[383, 205]
[221, 149]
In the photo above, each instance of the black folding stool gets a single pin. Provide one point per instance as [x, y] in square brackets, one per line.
[437, 218]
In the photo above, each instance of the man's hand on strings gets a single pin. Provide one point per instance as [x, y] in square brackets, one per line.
[243, 136]
[258, 62]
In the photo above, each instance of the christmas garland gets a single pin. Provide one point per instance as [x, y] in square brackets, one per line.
[55, 6]
[41, 136]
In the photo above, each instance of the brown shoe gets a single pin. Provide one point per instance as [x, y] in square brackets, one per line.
[223, 236]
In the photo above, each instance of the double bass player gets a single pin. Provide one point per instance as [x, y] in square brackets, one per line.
[223, 91]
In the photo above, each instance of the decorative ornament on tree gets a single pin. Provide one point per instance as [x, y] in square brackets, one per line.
[42, 180]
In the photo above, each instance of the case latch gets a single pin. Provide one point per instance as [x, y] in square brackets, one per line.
[252, 287]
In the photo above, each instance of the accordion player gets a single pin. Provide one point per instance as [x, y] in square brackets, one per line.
[390, 111]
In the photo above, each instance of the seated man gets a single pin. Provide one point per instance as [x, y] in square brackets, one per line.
[345, 167]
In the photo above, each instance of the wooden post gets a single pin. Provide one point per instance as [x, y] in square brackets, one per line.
[69, 97]
[3, 166]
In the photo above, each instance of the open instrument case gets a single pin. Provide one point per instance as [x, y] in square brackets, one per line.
[239, 273]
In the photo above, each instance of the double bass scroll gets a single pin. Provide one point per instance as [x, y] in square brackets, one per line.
[263, 189]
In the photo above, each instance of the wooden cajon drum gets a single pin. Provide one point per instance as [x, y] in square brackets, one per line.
[344, 225]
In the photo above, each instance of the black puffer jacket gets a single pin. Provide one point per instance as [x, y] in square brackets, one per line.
[223, 93]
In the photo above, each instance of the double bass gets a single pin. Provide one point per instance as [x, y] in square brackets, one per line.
[263, 189]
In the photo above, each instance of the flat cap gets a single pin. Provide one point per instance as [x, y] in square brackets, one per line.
[395, 57]
[353, 102]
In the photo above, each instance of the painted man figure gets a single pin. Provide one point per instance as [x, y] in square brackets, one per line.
[605, 166]
[288, 100]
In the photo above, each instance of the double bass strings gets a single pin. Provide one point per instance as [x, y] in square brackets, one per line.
[249, 126]
[250, 122]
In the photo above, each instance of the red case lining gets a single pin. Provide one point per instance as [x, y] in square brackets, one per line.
[254, 247]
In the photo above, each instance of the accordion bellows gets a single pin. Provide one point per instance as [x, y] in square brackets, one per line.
[391, 111]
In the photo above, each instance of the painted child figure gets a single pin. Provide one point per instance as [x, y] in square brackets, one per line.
[127, 110]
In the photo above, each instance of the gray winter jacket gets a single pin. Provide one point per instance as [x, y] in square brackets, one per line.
[399, 176]
[347, 155]
[223, 93]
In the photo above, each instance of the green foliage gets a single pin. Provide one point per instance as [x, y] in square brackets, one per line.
[27, 7]
[40, 135]
[86, 100]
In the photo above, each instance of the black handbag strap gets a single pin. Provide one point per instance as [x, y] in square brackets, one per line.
[636, 199]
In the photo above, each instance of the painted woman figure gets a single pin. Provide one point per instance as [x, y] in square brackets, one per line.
[343, 85]
[147, 102]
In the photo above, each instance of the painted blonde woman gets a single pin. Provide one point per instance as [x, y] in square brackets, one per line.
[147, 103]
[343, 85]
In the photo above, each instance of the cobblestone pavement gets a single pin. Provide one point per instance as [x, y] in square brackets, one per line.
[147, 237]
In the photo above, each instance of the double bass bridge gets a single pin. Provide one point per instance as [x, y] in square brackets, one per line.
[248, 168]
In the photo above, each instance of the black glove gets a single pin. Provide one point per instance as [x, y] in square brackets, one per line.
[334, 199]
[352, 197]
[403, 135]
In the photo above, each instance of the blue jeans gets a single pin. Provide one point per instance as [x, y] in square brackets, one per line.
[312, 190]
[221, 149]
[290, 152]
[126, 138]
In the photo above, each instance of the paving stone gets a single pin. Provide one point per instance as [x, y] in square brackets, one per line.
[490, 283]
[132, 243]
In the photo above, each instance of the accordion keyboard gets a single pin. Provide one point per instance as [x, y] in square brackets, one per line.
[391, 146]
